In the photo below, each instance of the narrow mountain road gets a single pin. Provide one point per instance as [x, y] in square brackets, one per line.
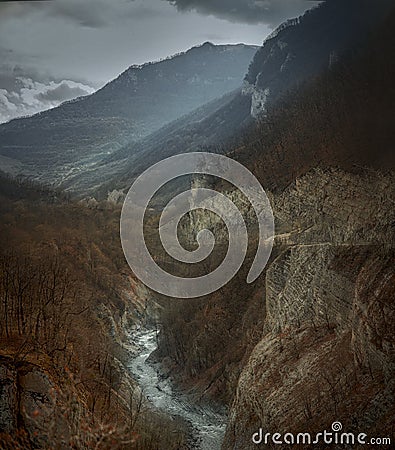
[208, 427]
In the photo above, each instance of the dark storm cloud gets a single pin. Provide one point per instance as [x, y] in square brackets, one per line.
[100, 13]
[87, 13]
[270, 12]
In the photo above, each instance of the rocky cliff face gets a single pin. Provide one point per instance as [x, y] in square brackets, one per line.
[327, 347]
[304, 47]
[28, 405]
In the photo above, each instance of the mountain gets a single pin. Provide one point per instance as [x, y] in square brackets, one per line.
[55, 144]
[298, 52]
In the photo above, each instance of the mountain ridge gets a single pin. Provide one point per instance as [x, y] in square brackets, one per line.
[53, 145]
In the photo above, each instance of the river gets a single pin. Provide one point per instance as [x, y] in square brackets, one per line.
[208, 427]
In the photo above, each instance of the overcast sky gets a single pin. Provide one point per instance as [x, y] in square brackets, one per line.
[51, 51]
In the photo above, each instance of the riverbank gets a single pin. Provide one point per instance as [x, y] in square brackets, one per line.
[207, 427]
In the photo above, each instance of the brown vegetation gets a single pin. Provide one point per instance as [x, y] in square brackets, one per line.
[62, 283]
